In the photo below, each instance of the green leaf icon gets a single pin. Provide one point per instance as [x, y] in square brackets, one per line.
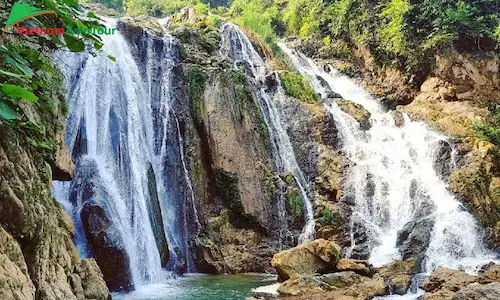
[22, 11]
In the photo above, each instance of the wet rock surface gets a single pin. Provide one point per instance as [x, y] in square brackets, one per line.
[318, 256]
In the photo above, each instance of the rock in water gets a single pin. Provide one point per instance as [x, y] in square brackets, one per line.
[318, 256]
[357, 111]
[414, 239]
[107, 247]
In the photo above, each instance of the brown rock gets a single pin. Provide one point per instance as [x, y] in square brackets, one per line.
[302, 285]
[477, 291]
[92, 279]
[439, 295]
[318, 256]
[399, 284]
[63, 167]
[369, 288]
[342, 279]
[361, 267]
[357, 111]
[492, 274]
[400, 267]
[448, 279]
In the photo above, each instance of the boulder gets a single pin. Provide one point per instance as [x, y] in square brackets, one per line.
[357, 111]
[490, 274]
[358, 266]
[477, 291]
[209, 258]
[342, 279]
[91, 279]
[302, 285]
[107, 246]
[368, 289]
[447, 279]
[439, 295]
[318, 256]
[397, 275]
[414, 239]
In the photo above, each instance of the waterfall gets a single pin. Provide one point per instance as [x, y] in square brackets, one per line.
[131, 176]
[394, 181]
[237, 48]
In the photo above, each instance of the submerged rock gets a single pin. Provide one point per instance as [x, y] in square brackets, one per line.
[318, 256]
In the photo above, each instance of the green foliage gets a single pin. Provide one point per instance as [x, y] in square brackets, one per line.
[25, 73]
[294, 200]
[114, 4]
[162, 8]
[256, 16]
[196, 88]
[490, 130]
[400, 33]
[298, 87]
[330, 218]
[392, 34]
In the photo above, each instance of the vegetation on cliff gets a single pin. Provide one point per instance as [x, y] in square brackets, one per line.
[29, 79]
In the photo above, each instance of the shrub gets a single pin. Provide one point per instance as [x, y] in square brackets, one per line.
[330, 218]
[490, 130]
[298, 87]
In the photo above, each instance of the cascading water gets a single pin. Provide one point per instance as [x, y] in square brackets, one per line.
[394, 179]
[131, 181]
[237, 48]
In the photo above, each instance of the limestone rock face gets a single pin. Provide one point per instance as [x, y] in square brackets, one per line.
[37, 254]
[38, 257]
[13, 270]
[63, 167]
[318, 256]
[91, 279]
[478, 185]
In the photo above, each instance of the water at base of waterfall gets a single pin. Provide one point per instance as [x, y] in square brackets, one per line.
[199, 286]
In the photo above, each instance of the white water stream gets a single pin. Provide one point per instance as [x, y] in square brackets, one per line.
[237, 48]
[122, 122]
[393, 180]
